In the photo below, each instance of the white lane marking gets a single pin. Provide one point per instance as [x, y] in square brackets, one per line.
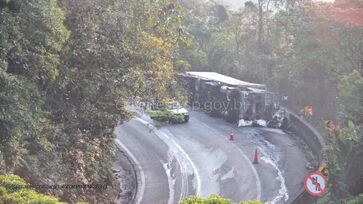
[171, 181]
[177, 149]
[141, 190]
[254, 171]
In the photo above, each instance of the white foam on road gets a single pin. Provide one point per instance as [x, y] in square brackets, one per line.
[141, 183]
[273, 162]
[186, 164]
[228, 175]
[208, 161]
[171, 180]
[184, 176]
[249, 164]
[275, 130]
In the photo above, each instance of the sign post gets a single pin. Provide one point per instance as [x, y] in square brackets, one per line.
[315, 184]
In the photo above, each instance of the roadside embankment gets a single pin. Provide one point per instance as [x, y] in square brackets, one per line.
[124, 170]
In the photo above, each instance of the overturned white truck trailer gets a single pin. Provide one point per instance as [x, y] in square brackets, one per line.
[230, 98]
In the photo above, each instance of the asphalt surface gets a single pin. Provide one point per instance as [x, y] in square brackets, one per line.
[197, 158]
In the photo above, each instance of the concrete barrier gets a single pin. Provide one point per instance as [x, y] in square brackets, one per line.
[313, 139]
[307, 132]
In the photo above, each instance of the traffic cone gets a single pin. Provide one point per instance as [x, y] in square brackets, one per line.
[255, 159]
[231, 136]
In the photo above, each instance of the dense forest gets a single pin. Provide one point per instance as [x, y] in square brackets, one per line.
[68, 68]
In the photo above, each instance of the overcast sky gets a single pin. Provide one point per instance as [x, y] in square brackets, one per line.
[235, 4]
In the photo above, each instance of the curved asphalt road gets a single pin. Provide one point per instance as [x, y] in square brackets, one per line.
[197, 158]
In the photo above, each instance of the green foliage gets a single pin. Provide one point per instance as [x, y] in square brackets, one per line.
[251, 202]
[66, 70]
[356, 200]
[345, 145]
[351, 96]
[13, 190]
[34, 39]
[182, 66]
[31, 44]
[12, 5]
[213, 199]
[342, 148]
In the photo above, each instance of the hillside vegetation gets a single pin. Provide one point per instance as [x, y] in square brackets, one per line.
[66, 70]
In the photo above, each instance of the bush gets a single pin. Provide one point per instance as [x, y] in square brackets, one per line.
[251, 202]
[356, 200]
[12, 191]
[213, 199]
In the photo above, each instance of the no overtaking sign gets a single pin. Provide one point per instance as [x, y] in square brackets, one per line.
[315, 184]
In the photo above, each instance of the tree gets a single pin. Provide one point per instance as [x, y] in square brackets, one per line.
[65, 76]
[31, 43]
[351, 96]
[119, 51]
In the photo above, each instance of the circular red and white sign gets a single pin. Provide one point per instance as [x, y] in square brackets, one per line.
[315, 184]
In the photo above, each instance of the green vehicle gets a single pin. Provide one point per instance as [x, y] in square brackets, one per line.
[172, 112]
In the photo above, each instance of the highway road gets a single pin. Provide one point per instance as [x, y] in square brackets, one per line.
[197, 158]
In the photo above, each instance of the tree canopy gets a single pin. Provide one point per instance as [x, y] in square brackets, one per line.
[67, 70]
